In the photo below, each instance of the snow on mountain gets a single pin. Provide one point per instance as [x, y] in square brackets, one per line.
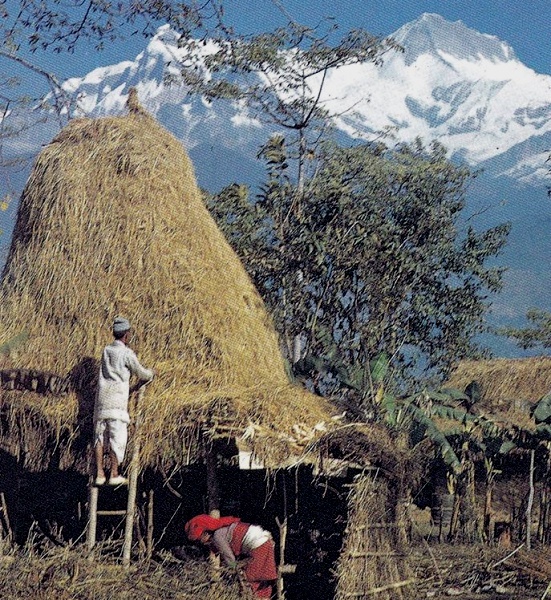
[452, 84]
[465, 89]
[104, 91]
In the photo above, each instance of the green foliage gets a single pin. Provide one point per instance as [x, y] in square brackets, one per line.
[539, 334]
[60, 26]
[370, 257]
[542, 415]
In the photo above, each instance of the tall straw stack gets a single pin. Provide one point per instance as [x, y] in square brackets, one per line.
[111, 222]
[372, 564]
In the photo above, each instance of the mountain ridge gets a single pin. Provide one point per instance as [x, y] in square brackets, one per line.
[465, 89]
[432, 31]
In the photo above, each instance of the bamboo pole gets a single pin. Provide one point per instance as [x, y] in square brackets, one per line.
[530, 500]
[93, 517]
[132, 483]
[149, 538]
[282, 541]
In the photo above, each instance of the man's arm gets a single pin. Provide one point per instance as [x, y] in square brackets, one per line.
[136, 368]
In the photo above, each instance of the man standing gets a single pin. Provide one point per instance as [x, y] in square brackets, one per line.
[111, 418]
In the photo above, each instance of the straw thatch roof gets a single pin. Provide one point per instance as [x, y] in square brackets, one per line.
[509, 387]
[111, 221]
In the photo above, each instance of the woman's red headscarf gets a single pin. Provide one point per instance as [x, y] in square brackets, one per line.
[195, 527]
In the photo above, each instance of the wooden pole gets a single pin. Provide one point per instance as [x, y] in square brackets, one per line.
[93, 516]
[282, 541]
[213, 490]
[6, 536]
[283, 568]
[213, 504]
[149, 538]
[530, 500]
[132, 483]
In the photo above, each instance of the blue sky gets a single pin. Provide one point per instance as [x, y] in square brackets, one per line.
[526, 26]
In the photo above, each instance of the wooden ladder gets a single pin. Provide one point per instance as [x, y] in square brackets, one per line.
[130, 511]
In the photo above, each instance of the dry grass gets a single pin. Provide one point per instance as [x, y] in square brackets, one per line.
[112, 222]
[68, 574]
[371, 563]
[370, 445]
[480, 572]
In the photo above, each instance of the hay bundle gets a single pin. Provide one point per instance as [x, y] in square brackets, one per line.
[111, 221]
[371, 563]
[369, 445]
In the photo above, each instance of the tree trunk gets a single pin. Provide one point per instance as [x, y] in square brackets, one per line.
[213, 493]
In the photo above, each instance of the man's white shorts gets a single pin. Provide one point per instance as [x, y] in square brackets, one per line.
[115, 432]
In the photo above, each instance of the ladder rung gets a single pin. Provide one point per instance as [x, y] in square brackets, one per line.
[110, 512]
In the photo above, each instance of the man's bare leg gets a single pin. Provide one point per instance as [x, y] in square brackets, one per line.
[100, 472]
[114, 464]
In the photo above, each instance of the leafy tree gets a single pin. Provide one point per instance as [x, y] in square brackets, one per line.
[539, 334]
[373, 258]
[61, 25]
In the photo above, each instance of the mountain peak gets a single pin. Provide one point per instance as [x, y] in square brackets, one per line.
[431, 33]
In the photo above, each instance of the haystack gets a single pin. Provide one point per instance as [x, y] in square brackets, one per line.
[509, 387]
[373, 561]
[111, 221]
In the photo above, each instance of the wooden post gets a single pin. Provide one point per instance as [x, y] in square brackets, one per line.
[6, 536]
[213, 504]
[213, 490]
[282, 540]
[530, 500]
[149, 538]
[489, 525]
[132, 483]
[93, 517]
[283, 568]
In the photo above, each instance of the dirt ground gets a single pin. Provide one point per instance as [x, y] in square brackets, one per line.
[478, 572]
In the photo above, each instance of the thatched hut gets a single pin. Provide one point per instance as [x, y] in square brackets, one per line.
[111, 222]
[508, 388]
[502, 393]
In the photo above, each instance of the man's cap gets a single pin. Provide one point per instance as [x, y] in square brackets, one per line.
[120, 325]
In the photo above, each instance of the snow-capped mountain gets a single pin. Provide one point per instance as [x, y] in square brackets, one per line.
[466, 89]
[463, 88]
